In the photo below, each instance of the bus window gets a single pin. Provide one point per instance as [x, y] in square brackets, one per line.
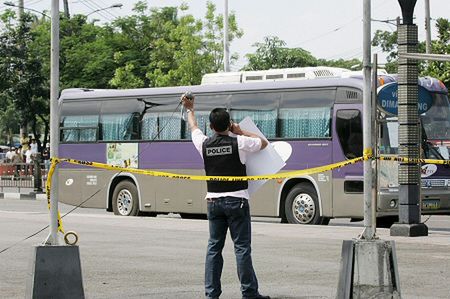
[118, 127]
[262, 108]
[161, 126]
[306, 114]
[266, 121]
[119, 119]
[79, 128]
[349, 130]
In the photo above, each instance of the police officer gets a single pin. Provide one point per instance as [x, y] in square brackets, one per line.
[224, 154]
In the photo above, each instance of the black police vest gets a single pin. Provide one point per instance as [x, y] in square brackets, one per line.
[221, 158]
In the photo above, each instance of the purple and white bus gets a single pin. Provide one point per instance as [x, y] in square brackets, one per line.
[317, 110]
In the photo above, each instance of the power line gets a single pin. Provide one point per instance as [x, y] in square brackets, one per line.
[85, 3]
[102, 9]
[339, 27]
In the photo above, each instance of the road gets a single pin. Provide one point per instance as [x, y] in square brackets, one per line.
[163, 257]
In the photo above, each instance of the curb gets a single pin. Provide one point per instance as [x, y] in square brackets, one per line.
[24, 196]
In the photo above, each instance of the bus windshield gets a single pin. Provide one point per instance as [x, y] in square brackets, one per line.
[436, 121]
[435, 130]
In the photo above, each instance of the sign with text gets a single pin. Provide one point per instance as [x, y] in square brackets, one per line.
[388, 99]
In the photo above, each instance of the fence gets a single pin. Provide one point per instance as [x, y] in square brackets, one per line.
[23, 176]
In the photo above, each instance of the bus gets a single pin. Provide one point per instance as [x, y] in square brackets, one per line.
[318, 111]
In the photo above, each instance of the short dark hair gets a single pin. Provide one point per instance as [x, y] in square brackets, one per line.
[219, 119]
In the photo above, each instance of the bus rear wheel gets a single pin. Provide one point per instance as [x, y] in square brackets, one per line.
[125, 199]
[302, 206]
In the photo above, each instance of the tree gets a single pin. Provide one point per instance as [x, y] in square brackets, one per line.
[24, 88]
[441, 70]
[272, 53]
[213, 36]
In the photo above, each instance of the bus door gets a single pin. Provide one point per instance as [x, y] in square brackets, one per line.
[347, 144]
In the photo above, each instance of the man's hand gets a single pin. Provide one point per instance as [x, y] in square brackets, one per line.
[236, 129]
[187, 103]
[189, 106]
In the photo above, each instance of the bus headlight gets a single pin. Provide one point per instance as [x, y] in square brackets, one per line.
[393, 203]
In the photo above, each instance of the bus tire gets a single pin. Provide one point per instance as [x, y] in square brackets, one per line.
[302, 205]
[125, 200]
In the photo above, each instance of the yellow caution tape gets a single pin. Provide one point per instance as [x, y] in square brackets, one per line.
[366, 156]
[162, 174]
[368, 153]
[414, 161]
[48, 186]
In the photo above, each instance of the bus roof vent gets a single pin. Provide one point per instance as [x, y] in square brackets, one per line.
[295, 75]
[253, 78]
[274, 75]
[324, 73]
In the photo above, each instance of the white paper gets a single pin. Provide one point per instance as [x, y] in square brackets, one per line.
[266, 161]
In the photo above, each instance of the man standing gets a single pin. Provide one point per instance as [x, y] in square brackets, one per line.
[224, 154]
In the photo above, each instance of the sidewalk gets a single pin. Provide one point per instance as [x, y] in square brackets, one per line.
[163, 257]
[21, 193]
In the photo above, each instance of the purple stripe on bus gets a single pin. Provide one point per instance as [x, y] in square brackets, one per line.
[169, 155]
[95, 152]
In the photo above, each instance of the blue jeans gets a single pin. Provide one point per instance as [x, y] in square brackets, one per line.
[232, 213]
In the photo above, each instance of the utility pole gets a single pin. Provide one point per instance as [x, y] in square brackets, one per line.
[21, 7]
[226, 50]
[23, 123]
[428, 26]
[409, 177]
[66, 9]
[366, 260]
[56, 268]
[369, 230]
[54, 120]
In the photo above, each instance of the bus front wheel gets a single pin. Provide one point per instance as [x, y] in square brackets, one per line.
[302, 205]
[125, 199]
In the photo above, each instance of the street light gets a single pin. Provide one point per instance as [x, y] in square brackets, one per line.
[7, 3]
[117, 5]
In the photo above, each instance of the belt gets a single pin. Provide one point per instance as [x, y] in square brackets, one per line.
[219, 198]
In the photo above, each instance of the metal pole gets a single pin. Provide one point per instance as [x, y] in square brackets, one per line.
[428, 26]
[420, 56]
[66, 9]
[409, 129]
[226, 52]
[375, 129]
[369, 231]
[54, 120]
[21, 6]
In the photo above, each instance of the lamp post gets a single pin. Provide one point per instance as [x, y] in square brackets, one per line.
[117, 5]
[409, 129]
[21, 8]
[226, 45]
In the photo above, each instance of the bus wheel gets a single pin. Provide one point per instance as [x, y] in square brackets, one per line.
[302, 205]
[125, 199]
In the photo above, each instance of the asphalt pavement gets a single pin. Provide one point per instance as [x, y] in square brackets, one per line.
[163, 257]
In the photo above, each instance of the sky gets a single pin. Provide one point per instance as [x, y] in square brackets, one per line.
[329, 29]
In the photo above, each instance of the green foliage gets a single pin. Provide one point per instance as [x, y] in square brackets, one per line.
[23, 86]
[151, 47]
[213, 37]
[441, 70]
[272, 54]
[438, 69]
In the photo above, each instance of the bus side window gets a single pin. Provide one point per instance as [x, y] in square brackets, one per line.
[349, 130]
[79, 128]
[306, 114]
[117, 127]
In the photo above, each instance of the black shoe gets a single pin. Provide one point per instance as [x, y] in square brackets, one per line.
[259, 296]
